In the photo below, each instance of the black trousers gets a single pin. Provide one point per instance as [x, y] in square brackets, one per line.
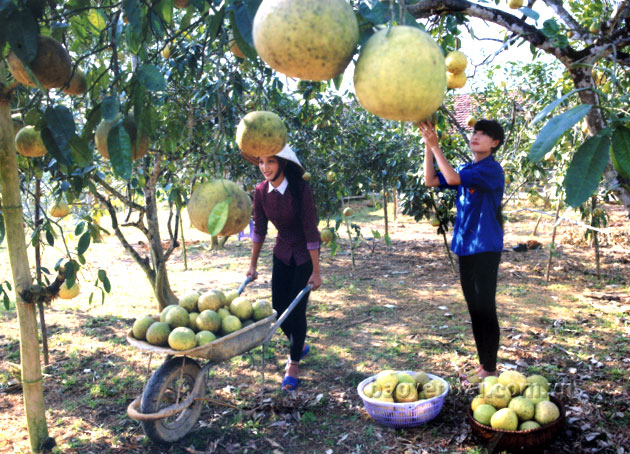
[286, 282]
[478, 276]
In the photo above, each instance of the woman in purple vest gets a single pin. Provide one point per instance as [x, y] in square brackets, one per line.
[286, 200]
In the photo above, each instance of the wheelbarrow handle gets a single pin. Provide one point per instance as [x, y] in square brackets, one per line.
[245, 282]
[288, 311]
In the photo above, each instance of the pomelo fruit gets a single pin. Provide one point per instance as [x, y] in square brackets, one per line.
[262, 309]
[209, 300]
[498, 396]
[404, 377]
[182, 338]
[456, 61]
[177, 317]
[456, 80]
[331, 176]
[400, 74]
[241, 307]
[487, 383]
[347, 212]
[60, 209]
[165, 311]
[478, 400]
[406, 392]
[504, 419]
[141, 325]
[223, 312]
[515, 4]
[528, 425]
[310, 40]
[546, 412]
[432, 389]
[261, 133]
[28, 142]
[222, 297]
[205, 337]
[421, 378]
[234, 47]
[189, 301]
[192, 321]
[66, 293]
[306, 176]
[483, 413]
[209, 320]
[372, 390]
[515, 381]
[157, 334]
[138, 148]
[207, 195]
[542, 381]
[471, 121]
[387, 380]
[523, 407]
[326, 235]
[229, 296]
[52, 65]
[181, 4]
[536, 393]
[435, 222]
[230, 324]
[77, 84]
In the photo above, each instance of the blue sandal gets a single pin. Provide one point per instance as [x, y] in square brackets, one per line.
[291, 382]
[305, 350]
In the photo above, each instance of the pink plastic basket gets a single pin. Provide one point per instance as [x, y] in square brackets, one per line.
[399, 415]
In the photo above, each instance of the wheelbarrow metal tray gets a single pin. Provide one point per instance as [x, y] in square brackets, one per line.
[223, 348]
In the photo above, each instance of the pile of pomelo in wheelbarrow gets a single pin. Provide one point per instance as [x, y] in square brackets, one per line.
[199, 319]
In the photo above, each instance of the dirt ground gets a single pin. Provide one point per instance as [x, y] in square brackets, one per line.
[399, 307]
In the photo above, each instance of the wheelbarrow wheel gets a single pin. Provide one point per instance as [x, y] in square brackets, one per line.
[163, 389]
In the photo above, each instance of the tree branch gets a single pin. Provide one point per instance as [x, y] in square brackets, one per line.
[117, 194]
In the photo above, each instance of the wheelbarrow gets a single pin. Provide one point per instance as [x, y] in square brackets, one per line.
[172, 400]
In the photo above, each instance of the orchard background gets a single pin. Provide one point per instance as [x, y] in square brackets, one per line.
[174, 66]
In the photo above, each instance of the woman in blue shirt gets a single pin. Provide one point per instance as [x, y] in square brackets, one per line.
[478, 229]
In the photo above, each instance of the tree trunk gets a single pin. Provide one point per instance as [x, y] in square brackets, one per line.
[27, 316]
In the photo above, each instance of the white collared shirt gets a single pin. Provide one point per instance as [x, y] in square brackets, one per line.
[283, 186]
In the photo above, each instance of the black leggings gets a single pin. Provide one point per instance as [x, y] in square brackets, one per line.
[286, 282]
[478, 276]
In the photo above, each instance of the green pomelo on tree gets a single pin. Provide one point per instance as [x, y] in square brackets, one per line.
[261, 133]
[141, 325]
[28, 142]
[138, 148]
[310, 40]
[400, 74]
[52, 65]
[206, 195]
[66, 293]
[182, 338]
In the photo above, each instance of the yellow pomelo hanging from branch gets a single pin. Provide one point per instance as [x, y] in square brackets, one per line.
[77, 84]
[207, 195]
[52, 65]
[456, 62]
[28, 142]
[400, 74]
[261, 133]
[307, 39]
[138, 149]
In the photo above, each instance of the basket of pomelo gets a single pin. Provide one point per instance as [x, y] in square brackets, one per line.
[514, 412]
[403, 398]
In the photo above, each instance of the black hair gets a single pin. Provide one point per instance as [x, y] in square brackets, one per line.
[493, 129]
[293, 174]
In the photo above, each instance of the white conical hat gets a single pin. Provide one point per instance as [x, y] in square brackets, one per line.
[286, 153]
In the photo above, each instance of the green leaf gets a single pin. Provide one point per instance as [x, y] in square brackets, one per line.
[165, 10]
[586, 168]
[151, 78]
[551, 106]
[50, 238]
[119, 148]
[388, 240]
[110, 107]
[79, 229]
[21, 30]
[84, 243]
[59, 132]
[529, 13]
[102, 276]
[620, 151]
[157, 25]
[242, 22]
[376, 234]
[551, 132]
[70, 272]
[133, 12]
[218, 217]
[62, 153]
[5, 300]
[97, 20]
[214, 22]
[82, 154]
[134, 39]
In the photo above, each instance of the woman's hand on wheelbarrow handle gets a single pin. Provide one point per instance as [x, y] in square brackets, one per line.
[315, 281]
